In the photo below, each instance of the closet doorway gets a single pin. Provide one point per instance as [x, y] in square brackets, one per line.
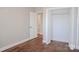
[61, 24]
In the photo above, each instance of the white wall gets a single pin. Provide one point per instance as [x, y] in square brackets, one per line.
[61, 25]
[47, 26]
[77, 41]
[13, 25]
[72, 41]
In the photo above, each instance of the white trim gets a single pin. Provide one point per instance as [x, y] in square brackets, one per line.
[71, 46]
[60, 40]
[45, 26]
[57, 8]
[72, 40]
[46, 42]
[77, 46]
[12, 45]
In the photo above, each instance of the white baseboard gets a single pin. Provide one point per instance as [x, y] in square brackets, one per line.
[60, 40]
[47, 42]
[72, 46]
[12, 45]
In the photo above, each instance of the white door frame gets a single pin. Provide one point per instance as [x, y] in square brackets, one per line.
[77, 41]
[33, 30]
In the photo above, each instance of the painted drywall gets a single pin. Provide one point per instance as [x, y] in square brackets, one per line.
[61, 25]
[13, 25]
[77, 41]
[72, 41]
[46, 26]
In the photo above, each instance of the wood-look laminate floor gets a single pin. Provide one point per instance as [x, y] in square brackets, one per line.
[35, 45]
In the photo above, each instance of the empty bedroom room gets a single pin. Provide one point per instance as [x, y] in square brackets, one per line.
[39, 29]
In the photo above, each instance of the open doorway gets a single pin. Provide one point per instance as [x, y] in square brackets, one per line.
[61, 24]
[36, 24]
[33, 25]
[40, 24]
